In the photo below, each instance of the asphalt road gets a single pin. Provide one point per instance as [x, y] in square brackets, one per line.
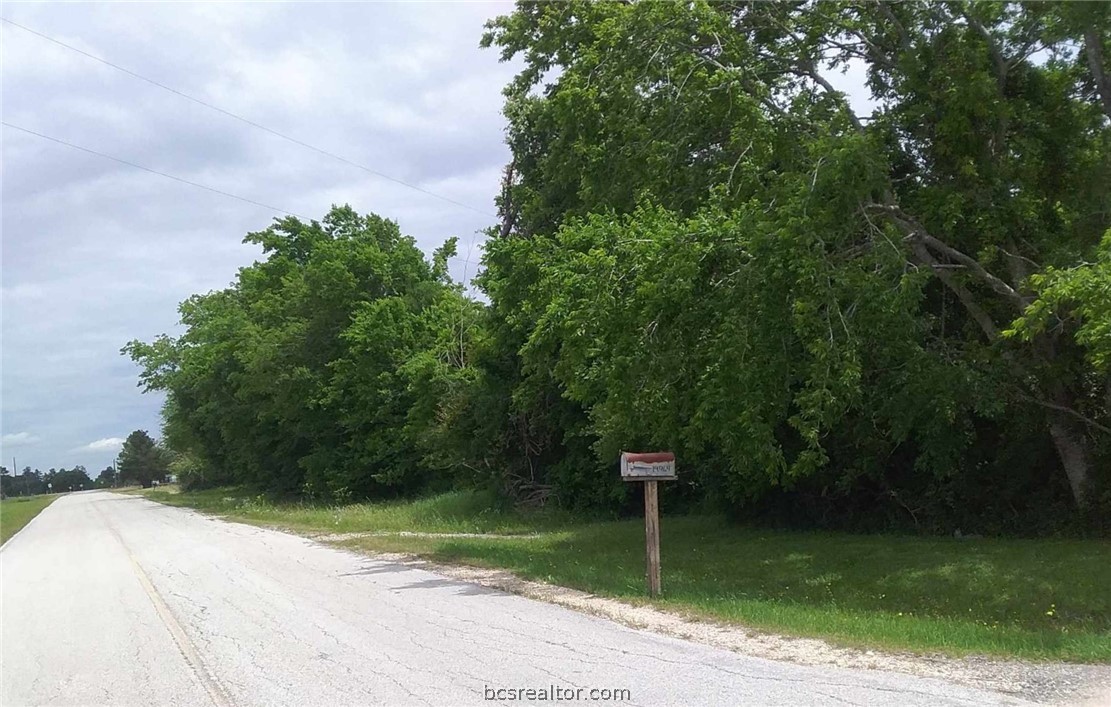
[112, 599]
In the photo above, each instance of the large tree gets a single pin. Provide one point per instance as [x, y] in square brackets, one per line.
[142, 460]
[26, 483]
[63, 480]
[706, 245]
[303, 375]
[106, 478]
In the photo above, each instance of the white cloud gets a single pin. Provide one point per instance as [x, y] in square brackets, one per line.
[108, 444]
[19, 439]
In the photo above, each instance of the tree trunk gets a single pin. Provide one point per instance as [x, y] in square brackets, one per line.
[1068, 430]
[1071, 440]
[1093, 46]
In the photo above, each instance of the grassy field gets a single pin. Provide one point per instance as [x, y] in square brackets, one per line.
[1035, 599]
[18, 512]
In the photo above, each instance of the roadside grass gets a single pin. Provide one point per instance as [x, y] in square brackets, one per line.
[18, 512]
[132, 490]
[1043, 599]
[463, 512]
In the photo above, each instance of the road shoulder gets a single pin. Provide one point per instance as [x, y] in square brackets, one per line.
[1048, 683]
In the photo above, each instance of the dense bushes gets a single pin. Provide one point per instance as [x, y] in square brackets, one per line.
[301, 376]
[888, 321]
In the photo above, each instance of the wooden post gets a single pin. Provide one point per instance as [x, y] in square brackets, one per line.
[650, 468]
[652, 535]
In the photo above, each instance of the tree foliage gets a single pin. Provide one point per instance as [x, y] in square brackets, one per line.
[26, 483]
[881, 311]
[106, 478]
[706, 247]
[141, 460]
[302, 376]
[62, 480]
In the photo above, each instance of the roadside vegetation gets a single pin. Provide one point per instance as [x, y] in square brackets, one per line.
[896, 321]
[18, 512]
[460, 512]
[889, 316]
[1033, 599]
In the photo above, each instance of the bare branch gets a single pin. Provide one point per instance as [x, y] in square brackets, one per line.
[987, 325]
[509, 212]
[1067, 410]
[1019, 265]
[993, 47]
[874, 51]
[870, 50]
[1031, 45]
[995, 283]
[1018, 256]
[729, 182]
[916, 232]
[1093, 47]
[904, 38]
[820, 80]
[764, 100]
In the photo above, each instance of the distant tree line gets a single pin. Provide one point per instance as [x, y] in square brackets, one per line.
[30, 483]
[893, 320]
[141, 461]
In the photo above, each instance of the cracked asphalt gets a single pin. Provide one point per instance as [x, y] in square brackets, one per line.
[115, 600]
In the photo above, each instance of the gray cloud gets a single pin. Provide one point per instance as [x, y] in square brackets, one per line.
[18, 439]
[96, 253]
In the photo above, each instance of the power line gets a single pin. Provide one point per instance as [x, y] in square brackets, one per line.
[191, 183]
[248, 121]
[152, 171]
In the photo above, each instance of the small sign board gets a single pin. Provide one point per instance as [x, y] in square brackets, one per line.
[648, 466]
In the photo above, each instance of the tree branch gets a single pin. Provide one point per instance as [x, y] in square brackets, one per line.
[877, 55]
[1093, 47]
[766, 101]
[917, 232]
[1065, 409]
[993, 47]
[987, 325]
[904, 38]
[869, 51]
[509, 213]
[820, 80]
[995, 283]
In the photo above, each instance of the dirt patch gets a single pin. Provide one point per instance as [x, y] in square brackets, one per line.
[1050, 683]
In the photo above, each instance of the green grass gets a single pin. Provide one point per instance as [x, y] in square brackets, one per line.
[447, 513]
[1035, 599]
[18, 512]
[140, 491]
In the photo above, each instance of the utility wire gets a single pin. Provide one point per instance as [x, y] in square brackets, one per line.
[248, 121]
[191, 183]
[152, 171]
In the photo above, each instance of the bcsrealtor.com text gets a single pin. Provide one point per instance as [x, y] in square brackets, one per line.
[556, 693]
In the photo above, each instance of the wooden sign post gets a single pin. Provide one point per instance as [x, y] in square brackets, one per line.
[650, 468]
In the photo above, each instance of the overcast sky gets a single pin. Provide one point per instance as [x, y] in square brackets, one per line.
[96, 253]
